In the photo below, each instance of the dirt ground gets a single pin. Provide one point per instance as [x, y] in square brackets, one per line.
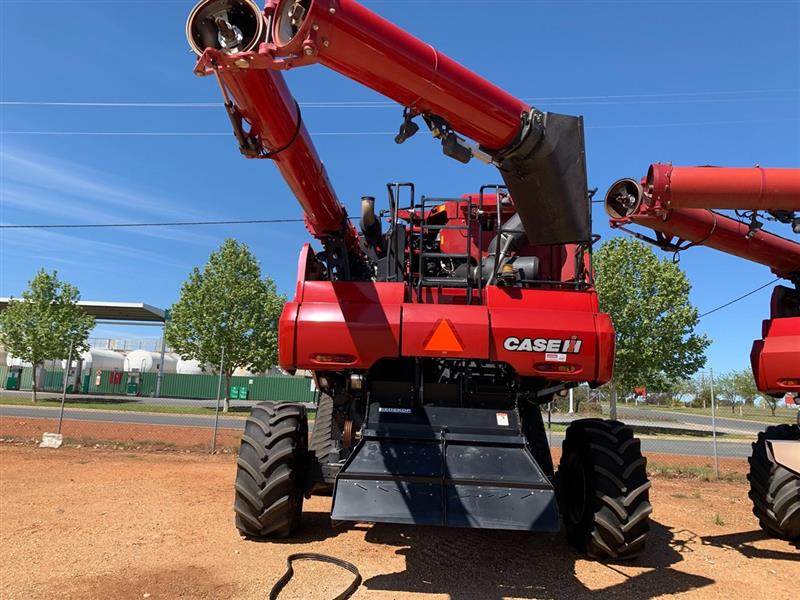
[99, 523]
[128, 435]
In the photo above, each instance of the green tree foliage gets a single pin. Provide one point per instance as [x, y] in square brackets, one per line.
[745, 386]
[725, 390]
[45, 322]
[648, 299]
[228, 305]
[746, 390]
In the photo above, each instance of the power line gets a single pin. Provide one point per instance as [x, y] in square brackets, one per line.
[181, 133]
[371, 133]
[166, 224]
[668, 97]
[735, 300]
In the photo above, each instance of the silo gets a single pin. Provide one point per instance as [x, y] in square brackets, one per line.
[148, 362]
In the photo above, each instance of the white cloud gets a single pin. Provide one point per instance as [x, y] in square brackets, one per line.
[67, 190]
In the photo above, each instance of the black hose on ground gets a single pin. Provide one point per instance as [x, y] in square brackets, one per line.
[281, 583]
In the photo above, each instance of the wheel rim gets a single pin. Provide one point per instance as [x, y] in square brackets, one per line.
[576, 488]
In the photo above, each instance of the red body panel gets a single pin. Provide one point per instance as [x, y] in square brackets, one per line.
[357, 322]
[352, 325]
[776, 358]
[470, 324]
[354, 41]
[752, 188]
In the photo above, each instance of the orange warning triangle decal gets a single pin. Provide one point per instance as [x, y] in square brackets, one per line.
[443, 338]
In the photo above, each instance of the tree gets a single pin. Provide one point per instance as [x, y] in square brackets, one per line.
[684, 390]
[227, 306]
[745, 386]
[746, 389]
[648, 299]
[45, 323]
[725, 388]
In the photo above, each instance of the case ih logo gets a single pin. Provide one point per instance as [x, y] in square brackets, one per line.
[561, 346]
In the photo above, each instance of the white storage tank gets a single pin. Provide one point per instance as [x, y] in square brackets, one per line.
[148, 362]
[15, 361]
[99, 360]
[192, 367]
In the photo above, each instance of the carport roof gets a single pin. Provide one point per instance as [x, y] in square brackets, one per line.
[116, 311]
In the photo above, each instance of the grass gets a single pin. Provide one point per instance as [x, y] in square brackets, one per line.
[126, 406]
[694, 496]
[751, 413]
[718, 520]
[120, 405]
[702, 473]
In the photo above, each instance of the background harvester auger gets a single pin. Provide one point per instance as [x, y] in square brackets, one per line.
[433, 342]
[678, 204]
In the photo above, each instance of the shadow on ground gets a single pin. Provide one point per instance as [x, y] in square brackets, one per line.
[745, 544]
[471, 564]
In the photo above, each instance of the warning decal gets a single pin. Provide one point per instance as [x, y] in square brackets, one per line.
[443, 338]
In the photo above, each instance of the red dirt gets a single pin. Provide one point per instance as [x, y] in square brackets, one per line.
[86, 523]
[87, 433]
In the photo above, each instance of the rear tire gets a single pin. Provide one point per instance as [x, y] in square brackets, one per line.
[322, 444]
[270, 473]
[603, 490]
[775, 491]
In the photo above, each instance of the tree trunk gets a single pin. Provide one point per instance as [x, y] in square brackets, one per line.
[33, 383]
[612, 411]
[226, 402]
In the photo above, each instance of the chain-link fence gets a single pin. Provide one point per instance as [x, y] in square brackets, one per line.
[118, 408]
[678, 436]
[201, 412]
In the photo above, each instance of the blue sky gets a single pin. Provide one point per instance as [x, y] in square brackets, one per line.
[693, 82]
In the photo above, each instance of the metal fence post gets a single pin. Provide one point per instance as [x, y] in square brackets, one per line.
[219, 394]
[714, 425]
[160, 374]
[64, 388]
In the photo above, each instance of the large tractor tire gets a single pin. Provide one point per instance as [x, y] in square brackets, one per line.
[775, 491]
[603, 490]
[270, 473]
[322, 445]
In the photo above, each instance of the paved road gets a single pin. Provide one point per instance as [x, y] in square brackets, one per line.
[685, 447]
[109, 416]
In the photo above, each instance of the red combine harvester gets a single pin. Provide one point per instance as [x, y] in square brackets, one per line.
[677, 203]
[436, 339]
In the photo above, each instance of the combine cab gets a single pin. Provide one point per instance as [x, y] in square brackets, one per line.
[438, 331]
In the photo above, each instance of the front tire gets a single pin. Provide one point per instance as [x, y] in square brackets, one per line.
[775, 491]
[270, 471]
[603, 490]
